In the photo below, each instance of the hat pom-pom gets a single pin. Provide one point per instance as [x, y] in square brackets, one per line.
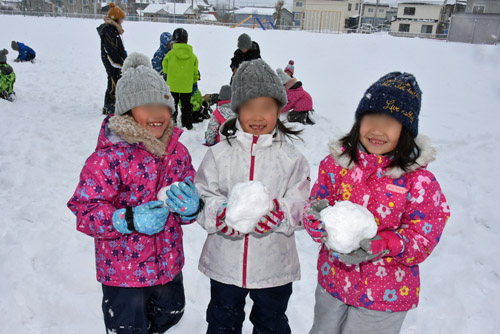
[135, 60]
[5, 51]
[112, 4]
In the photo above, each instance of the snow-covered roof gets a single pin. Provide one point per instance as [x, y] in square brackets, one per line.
[256, 10]
[170, 8]
[208, 17]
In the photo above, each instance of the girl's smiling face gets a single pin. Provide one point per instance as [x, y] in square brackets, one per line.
[379, 133]
[153, 117]
[259, 116]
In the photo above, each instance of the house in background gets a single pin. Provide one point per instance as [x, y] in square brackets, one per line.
[14, 5]
[375, 14]
[175, 11]
[427, 18]
[326, 15]
[478, 24]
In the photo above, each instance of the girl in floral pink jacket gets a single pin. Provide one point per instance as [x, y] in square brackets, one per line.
[382, 165]
[138, 240]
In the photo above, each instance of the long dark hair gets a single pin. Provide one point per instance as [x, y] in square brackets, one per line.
[229, 130]
[404, 155]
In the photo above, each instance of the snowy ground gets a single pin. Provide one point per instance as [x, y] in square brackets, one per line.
[47, 268]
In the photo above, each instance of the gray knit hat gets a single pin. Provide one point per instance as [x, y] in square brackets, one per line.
[244, 42]
[14, 46]
[140, 85]
[256, 79]
[3, 56]
[225, 93]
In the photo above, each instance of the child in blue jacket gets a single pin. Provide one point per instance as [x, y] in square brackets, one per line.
[165, 46]
[25, 52]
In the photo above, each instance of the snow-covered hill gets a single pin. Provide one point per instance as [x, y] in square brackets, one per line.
[47, 268]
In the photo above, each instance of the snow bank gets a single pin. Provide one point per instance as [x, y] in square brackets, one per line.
[248, 202]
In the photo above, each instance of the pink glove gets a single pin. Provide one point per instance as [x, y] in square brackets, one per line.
[271, 220]
[220, 223]
[312, 223]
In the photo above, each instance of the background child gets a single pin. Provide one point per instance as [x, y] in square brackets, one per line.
[290, 69]
[7, 78]
[220, 115]
[25, 52]
[181, 67]
[113, 53]
[138, 241]
[381, 165]
[300, 104]
[165, 46]
[247, 50]
[264, 262]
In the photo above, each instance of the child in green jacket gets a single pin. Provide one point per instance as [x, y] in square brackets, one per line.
[181, 67]
[7, 78]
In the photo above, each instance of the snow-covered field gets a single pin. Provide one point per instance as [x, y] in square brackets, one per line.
[47, 268]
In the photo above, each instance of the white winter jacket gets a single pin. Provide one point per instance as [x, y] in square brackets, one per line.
[253, 261]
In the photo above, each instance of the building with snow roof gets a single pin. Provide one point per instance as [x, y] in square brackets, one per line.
[479, 24]
[424, 17]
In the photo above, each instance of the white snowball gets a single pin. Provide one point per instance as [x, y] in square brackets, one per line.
[347, 224]
[162, 194]
[248, 202]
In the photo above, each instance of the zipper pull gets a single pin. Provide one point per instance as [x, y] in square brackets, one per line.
[254, 141]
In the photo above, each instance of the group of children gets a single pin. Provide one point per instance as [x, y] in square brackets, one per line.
[7, 75]
[380, 164]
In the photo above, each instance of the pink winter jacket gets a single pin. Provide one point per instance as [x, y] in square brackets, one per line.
[298, 100]
[410, 203]
[117, 175]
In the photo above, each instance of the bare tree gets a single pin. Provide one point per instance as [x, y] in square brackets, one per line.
[277, 15]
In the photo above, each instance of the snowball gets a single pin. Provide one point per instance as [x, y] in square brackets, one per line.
[162, 194]
[248, 202]
[347, 224]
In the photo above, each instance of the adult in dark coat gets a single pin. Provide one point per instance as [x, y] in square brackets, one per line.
[113, 53]
[247, 50]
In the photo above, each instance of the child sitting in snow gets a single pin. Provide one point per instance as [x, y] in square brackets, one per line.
[380, 164]
[138, 240]
[7, 78]
[247, 50]
[165, 46]
[25, 52]
[300, 104]
[220, 115]
[264, 262]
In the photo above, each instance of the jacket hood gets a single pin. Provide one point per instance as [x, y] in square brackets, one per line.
[113, 23]
[165, 38]
[183, 51]
[427, 155]
[127, 132]
[6, 69]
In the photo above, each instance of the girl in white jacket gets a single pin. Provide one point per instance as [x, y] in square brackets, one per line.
[264, 262]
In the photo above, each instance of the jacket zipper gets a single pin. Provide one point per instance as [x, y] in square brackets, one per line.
[245, 249]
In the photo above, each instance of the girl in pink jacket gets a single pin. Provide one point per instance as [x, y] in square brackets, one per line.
[381, 165]
[138, 240]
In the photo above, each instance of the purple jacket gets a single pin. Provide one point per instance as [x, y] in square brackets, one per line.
[119, 174]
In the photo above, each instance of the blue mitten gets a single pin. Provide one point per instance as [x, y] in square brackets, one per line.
[149, 218]
[183, 199]
[195, 88]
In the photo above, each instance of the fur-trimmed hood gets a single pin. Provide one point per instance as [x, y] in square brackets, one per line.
[125, 128]
[427, 155]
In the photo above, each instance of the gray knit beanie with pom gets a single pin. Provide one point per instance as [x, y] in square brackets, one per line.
[140, 84]
[3, 56]
[256, 79]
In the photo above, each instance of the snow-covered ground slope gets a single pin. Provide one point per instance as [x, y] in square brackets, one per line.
[47, 268]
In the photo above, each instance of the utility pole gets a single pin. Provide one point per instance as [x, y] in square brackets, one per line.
[361, 9]
[376, 11]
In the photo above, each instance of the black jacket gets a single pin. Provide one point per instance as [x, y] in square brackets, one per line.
[239, 56]
[113, 52]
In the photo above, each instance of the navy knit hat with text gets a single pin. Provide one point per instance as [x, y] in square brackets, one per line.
[395, 94]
